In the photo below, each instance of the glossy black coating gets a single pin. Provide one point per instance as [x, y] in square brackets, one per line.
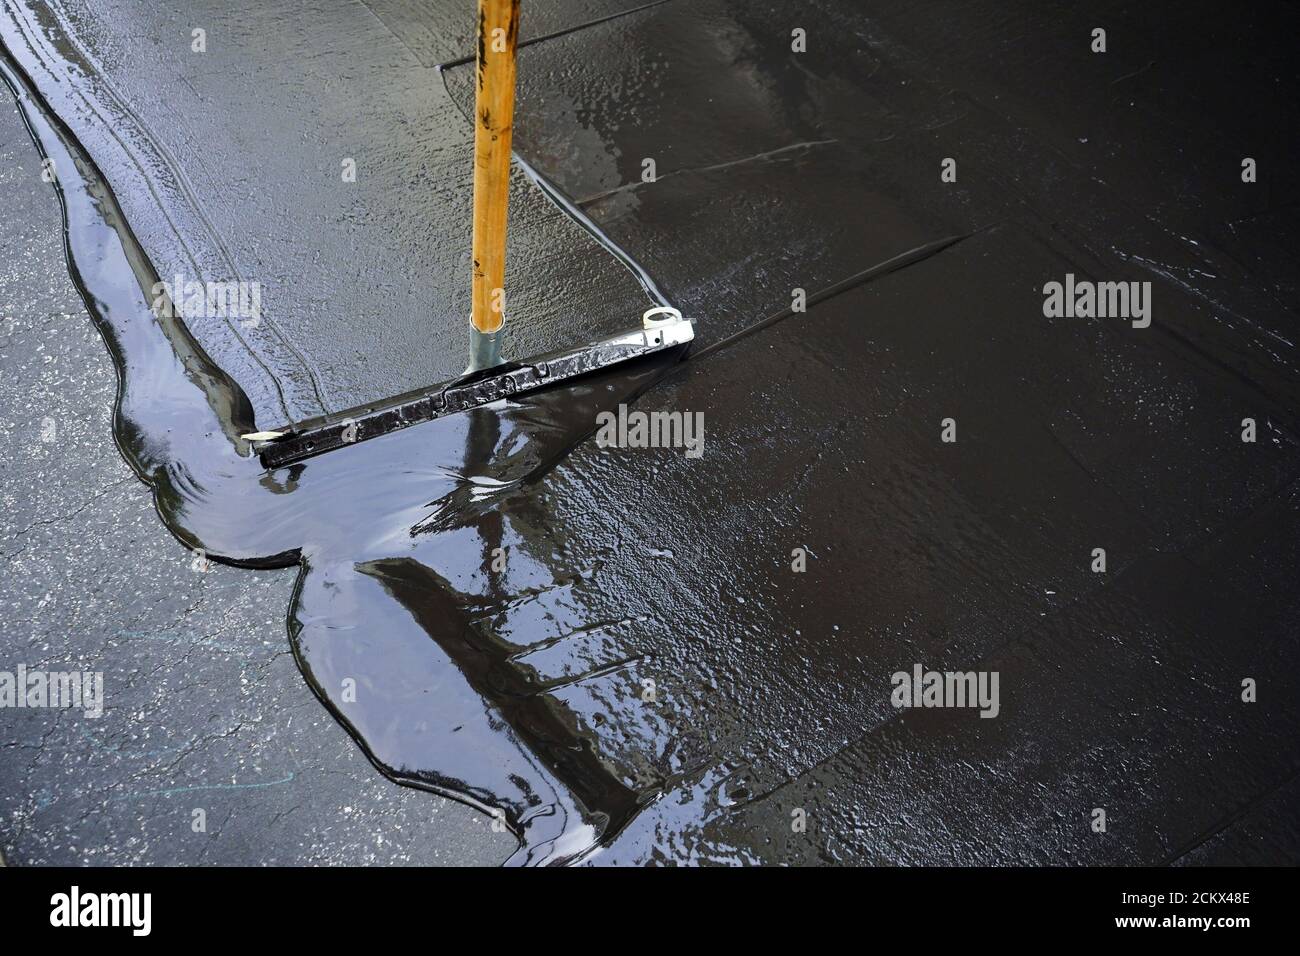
[524, 689]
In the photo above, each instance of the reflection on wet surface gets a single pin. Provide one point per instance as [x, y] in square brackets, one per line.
[615, 644]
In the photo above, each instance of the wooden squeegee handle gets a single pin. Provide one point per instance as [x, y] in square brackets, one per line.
[494, 107]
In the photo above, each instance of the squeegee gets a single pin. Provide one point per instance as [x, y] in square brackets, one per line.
[488, 378]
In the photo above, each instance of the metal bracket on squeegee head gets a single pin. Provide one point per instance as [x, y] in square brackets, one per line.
[662, 328]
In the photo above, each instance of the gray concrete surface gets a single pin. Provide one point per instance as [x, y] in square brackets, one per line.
[204, 706]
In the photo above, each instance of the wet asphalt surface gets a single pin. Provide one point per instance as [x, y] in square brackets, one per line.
[1121, 689]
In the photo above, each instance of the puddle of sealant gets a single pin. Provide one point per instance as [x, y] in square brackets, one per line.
[391, 617]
